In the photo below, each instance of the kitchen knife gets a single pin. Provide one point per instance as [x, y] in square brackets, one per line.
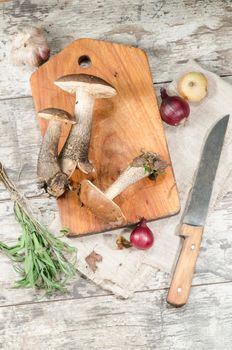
[195, 214]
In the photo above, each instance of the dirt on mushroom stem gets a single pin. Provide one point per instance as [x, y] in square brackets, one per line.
[150, 161]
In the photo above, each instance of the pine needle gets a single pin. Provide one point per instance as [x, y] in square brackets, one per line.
[40, 256]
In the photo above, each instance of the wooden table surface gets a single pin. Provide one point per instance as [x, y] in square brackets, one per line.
[88, 317]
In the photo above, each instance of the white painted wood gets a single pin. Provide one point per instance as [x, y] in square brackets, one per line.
[19, 143]
[86, 317]
[144, 322]
[170, 31]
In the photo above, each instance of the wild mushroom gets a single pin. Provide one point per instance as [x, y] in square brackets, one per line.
[49, 173]
[101, 203]
[87, 88]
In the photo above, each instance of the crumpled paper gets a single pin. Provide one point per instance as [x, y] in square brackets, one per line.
[124, 271]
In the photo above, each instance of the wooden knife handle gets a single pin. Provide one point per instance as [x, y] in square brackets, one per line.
[185, 267]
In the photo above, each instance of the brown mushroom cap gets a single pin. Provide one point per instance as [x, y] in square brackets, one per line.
[104, 208]
[91, 84]
[57, 115]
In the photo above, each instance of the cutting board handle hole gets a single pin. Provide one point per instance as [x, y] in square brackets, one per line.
[84, 61]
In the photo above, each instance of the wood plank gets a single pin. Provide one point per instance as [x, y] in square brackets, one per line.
[171, 32]
[19, 140]
[122, 126]
[145, 322]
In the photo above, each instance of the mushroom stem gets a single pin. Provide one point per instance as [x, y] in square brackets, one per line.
[142, 166]
[47, 165]
[102, 204]
[84, 114]
[49, 173]
[127, 178]
[87, 88]
[75, 151]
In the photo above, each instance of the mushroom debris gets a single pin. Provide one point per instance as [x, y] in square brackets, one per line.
[87, 88]
[102, 204]
[50, 176]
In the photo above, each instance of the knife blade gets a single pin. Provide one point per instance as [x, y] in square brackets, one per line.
[195, 214]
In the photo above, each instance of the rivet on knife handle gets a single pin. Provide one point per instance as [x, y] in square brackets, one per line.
[182, 278]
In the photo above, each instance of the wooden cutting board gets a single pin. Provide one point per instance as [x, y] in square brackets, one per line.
[123, 126]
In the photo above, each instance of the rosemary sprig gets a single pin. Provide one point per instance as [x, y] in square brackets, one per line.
[39, 255]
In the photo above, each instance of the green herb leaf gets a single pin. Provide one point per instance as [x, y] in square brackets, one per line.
[65, 231]
[42, 263]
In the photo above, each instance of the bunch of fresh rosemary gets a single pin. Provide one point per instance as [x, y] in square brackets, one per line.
[39, 255]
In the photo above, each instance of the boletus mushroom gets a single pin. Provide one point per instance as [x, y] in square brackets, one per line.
[87, 88]
[50, 176]
[102, 204]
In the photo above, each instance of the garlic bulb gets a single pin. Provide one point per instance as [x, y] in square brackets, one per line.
[30, 47]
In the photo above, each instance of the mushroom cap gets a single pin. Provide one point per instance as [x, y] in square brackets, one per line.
[90, 84]
[57, 115]
[95, 200]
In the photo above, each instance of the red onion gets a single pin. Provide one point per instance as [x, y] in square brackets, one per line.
[142, 237]
[173, 109]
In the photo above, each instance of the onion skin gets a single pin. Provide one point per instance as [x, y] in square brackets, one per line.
[142, 237]
[193, 86]
[174, 109]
